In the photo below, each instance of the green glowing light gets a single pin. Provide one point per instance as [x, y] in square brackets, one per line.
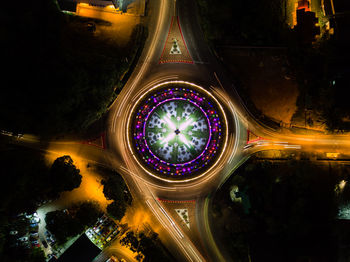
[177, 131]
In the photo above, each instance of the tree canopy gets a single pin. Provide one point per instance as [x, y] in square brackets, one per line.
[26, 183]
[64, 175]
[60, 77]
[292, 214]
[114, 188]
[147, 244]
[64, 224]
[117, 209]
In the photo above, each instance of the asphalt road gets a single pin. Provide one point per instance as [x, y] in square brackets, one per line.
[208, 73]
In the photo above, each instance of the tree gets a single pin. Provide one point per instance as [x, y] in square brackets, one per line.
[116, 209]
[64, 224]
[149, 246]
[113, 188]
[87, 213]
[130, 240]
[36, 255]
[64, 174]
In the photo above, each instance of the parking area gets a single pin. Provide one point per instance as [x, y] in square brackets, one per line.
[105, 231]
[25, 232]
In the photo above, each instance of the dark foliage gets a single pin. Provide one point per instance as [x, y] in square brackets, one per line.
[244, 22]
[149, 245]
[64, 175]
[64, 224]
[117, 209]
[321, 70]
[114, 188]
[58, 76]
[26, 184]
[292, 214]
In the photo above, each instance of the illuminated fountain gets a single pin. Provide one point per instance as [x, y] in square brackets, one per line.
[176, 131]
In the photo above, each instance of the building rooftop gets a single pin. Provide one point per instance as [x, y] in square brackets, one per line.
[82, 250]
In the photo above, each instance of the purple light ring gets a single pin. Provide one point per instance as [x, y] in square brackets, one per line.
[162, 102]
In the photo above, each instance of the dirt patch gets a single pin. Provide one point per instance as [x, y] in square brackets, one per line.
[264, 76]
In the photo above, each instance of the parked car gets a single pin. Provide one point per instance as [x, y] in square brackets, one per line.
[13, 232]
[51, 240]
[23, 239]
[35, 220]
[33, 238]
[28, 216]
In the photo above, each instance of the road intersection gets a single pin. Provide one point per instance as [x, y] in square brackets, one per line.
[205, 73]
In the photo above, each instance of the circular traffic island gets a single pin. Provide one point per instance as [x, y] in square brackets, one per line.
[177, 131]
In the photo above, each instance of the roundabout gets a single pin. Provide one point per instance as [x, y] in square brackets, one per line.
[177, 131]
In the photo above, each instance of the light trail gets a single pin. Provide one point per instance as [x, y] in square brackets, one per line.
[151, 50]
[138, 177]
[180, 244]
[153, 83]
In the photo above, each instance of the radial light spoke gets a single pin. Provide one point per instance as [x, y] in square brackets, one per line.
[170, 137]
[184, 125]
[171, 125]
[184, 140]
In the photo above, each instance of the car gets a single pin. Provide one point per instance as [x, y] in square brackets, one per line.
[7, 133]
[109, 239]
[33, 238]
[23, 239]
[112, 259]
[13, 232]
[34, 224]
[51, 240]
[35, 220]
[28, 216]
[35, 242]
[97, 230]
[34, 234]
[44, 243]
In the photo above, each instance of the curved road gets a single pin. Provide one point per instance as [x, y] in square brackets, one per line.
[205, 72]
